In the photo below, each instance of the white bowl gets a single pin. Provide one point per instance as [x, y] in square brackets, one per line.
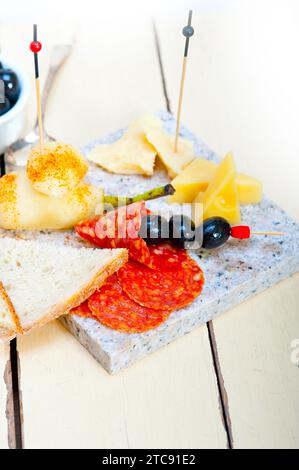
[12, 123]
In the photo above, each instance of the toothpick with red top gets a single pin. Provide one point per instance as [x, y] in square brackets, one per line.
[243, 231]
[35, 47]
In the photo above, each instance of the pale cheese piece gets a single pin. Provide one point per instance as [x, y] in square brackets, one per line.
[174, 162]
[221, 198]
[131, 154]
[145, 123]
[57, 170]
[24, 208]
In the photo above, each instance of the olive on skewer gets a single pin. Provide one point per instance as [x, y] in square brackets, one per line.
[182, 231]
[213, 233]
[11, 84]
[179, 230]
[154, 229]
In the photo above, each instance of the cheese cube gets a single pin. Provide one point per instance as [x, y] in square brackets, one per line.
[196, 177]
[250, 190]
[220, 198]
[192, 180]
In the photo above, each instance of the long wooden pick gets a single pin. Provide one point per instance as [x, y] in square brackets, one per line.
[188, 31]
[35, 47]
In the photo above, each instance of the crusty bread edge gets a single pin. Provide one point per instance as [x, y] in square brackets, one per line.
[6, 335]
[13, 313]
[79, 297]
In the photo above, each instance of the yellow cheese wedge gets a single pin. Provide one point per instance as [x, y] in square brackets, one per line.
[196, 177]
[175, 162]
[250, 190]
[192, 180]
[221, 199]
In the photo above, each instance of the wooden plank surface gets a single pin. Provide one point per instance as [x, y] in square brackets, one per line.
[234, 89]
[169, 399]
[4, 360]
[254, 347]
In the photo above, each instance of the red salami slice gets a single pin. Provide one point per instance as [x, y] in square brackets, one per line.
[166, 257]
[82, 310]
[118, 229]
[113, 308]
[166, 287]
[139, 251]
[86, 230]
[123, 222]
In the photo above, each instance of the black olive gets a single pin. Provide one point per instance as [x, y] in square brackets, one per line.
[4, 107]
[154, 229]
[215, 231]
[11, 84]
[181, 231]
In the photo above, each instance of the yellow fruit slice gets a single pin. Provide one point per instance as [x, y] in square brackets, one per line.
[220, 198]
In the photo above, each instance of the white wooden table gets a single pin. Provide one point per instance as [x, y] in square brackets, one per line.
[230, 383]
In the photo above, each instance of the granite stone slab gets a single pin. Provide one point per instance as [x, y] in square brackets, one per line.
[233, 273]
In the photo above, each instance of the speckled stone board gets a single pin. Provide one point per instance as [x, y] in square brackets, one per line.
[233, 273]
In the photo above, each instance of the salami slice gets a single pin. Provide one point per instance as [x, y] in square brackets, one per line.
[166, 257]
[82, 310]
[113, 308]
[86, 230]
[118, 229]
[123, 222]
[166, 287]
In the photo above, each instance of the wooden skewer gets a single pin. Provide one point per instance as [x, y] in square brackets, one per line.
[39, 116]
[35, 47]
[188, 31]
[180, 105]
[253, 232]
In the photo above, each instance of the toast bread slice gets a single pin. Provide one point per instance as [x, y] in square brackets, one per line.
[42, 281]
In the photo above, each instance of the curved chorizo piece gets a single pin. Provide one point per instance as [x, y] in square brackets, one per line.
[172, 285]
[113, 308]
[118, 229]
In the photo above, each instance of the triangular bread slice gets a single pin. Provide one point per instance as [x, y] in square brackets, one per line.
[6, 335]
[8, 319]
[42, 281]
